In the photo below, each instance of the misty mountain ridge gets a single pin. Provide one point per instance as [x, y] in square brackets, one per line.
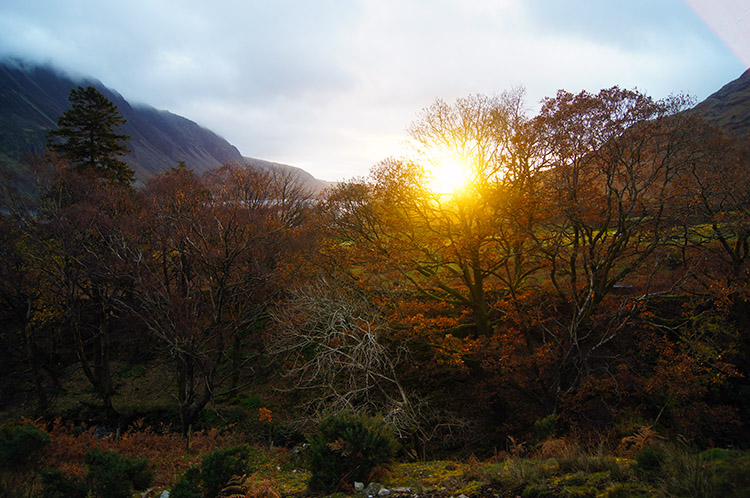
[32, 97]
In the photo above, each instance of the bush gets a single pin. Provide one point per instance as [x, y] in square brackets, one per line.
[651, 458]
[188, 486]
[546, 428]
[218, 467]
[213, 474]
[57, 485]
[347, 448]
[20, 458]
[20, 445]
[113, 476]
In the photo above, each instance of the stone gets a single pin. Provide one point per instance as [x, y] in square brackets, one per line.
[373, 488]
[359, 487]
[384, 492]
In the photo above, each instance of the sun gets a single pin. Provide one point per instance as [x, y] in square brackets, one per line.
[447, 174]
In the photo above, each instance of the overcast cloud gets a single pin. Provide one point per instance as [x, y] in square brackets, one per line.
[332, 85]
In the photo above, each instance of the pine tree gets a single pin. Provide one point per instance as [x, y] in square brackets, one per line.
[89, 137]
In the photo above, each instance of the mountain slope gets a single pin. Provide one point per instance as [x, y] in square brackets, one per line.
[306, 178]
[729, 107]
[32, 97]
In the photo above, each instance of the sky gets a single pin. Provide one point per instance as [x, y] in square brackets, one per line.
[331, 86]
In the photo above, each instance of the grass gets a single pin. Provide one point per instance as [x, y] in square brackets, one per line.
[557, 468]
[578, 473]
[670, 470]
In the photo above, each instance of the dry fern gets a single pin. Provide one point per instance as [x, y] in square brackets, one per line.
[516, 448]
[645, 436]
[235, 488]
[247, 487]
[341, 446]
[262, 489]
[379, 473]
[553, 448]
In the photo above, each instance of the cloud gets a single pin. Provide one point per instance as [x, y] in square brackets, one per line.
[332, 85]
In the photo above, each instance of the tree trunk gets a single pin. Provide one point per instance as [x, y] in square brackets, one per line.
[32, 352]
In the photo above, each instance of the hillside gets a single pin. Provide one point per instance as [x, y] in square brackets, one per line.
[33, 97]
[729, 107]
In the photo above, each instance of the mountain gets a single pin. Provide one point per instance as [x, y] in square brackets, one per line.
[306, 178]
[32, 97]
[729, 107]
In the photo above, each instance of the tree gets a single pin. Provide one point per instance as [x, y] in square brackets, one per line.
[210, 258]
[77, 248]
[717, 209]
[89, 137]
[337, 348]
[22, 300]
[331, 339]
[467, 248]
[614, 169]
[59, 283]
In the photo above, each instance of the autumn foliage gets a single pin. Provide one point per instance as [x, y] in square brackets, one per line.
[588, 280]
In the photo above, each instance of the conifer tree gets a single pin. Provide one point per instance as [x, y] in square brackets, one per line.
[89, 137]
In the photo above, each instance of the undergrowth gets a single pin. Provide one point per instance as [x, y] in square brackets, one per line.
[66, 461]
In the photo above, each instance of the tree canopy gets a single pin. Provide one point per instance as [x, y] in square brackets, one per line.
[587, 274]
[89, 136]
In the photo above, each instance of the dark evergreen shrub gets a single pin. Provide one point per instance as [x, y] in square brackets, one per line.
[651, 458]
[57, 485]
[347, 448]
[20, 445]
[115, 476]
[213, 473]
[219, 466]
[188, 486]
[545, 427]
[139, 472]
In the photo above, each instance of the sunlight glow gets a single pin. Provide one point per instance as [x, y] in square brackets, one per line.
[447, 174]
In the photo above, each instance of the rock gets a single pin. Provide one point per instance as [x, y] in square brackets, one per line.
[373, 488]
[102, 433]
[359, 487]
[164, 494]
[384, 492]
[401, 490]
[462, 496]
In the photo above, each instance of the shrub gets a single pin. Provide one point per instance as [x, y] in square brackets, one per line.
[218, 467]
[57, 485]
[545, 428]
[213, 474]
[113, 476]
[347, 448]
[188, 486]
[650, 458]
[20, 458]
[21, 444]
